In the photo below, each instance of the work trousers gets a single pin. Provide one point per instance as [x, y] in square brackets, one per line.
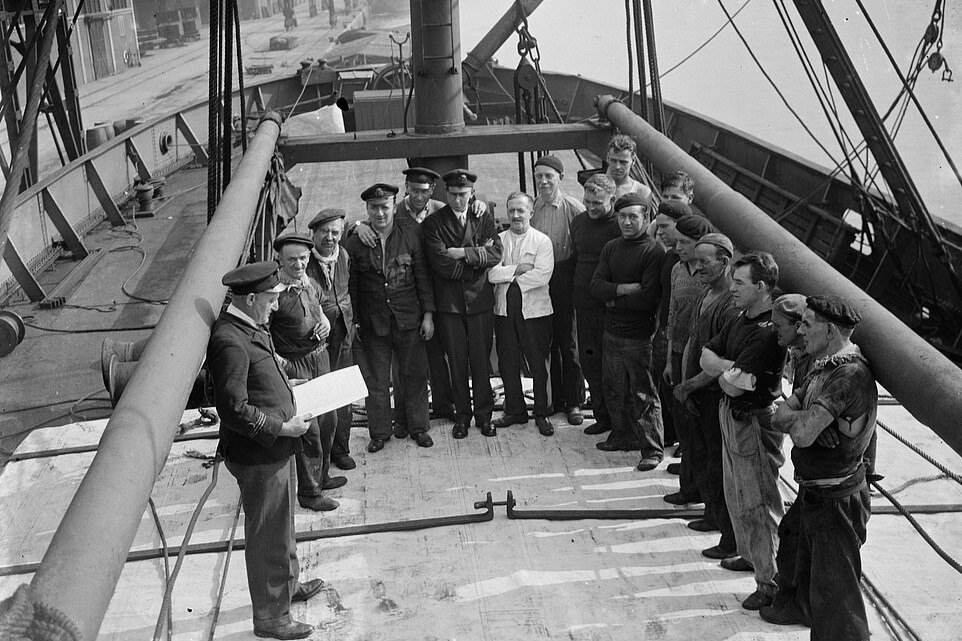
[567, 380]
[591, 330]
[267, 494]
[703, 455]
[439, 378]
[659, 358]
[819, 563]
[340, 354]
[684, 425]
[313, 462]
[631, 394]
[467, 340]
[751, 457]
[528, 338]
[412, 384]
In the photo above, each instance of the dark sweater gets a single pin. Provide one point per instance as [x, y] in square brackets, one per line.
[588, 237]
[637, 260]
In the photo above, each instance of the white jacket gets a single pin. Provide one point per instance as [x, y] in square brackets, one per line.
[535, 245]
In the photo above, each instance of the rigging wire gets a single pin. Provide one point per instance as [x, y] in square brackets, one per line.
[631, 62]
[706, 43]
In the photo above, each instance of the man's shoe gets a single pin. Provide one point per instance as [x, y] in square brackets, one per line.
[702, 525]
[756, 601]
[344, 462]
[674, 468]
[376, 445]
[510, 419]
[544, 425]
[785, 615]
[718, 553]
[575, 417]
[678, 498]
[289, 630]
[317, 503]
[737, 564]
[305, 591]
[460, 430]
[597, 428]
[648, 463]
[400, 431]
[488, 429]
[422, 439]
[334, 482]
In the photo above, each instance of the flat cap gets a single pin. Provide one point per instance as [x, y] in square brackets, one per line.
[835, 309]
[460, 178]
[298, 237]
[379, 190]
[632, 199]
[693, 226]
[551, 161]
[674, 209]
[253, 278]
[718, 240]
[420, 175]
[325, 215]
[790, 306]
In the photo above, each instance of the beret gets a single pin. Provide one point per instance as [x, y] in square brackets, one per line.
[420, 175]
[379, 190]
[718, 240]
[693, 226]
[551, 161]
[460, 178]
[293, 237]
[253, 278]
[790, 306]
[674, 209]
[834, 309]
[325, 215]
[631, 199]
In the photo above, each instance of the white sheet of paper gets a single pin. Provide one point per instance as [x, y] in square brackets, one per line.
[329, 392]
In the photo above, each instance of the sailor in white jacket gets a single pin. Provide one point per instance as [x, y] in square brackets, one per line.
[522, 313]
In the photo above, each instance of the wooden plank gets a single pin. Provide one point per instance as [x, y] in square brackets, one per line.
[491, 139]
[58, 295]
[103, 197]
[70, 237]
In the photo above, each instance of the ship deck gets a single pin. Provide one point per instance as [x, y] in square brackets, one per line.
[501, 579]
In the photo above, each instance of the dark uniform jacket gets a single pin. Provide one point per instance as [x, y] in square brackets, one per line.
[390, 281]
[335, 293]
[253, 395]
[405, 217]
[461, 286]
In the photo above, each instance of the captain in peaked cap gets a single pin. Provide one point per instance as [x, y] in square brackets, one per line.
[461, 245]
[259, 433]
[379, 190]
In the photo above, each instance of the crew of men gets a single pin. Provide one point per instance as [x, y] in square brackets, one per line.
[678, 337]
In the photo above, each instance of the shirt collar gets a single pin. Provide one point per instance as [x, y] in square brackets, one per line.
[234, 311]
[329, 259]
[847, 354]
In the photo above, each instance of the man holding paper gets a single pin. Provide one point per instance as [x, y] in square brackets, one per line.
[258, 436]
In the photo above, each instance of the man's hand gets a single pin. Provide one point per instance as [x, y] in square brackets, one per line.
[366, 234]
[667, 375]
[427, 326]
[322, 329]
[523, 268]
[478, 207]
[626, 289]
[457, 253]
[298, 381]
[294, 427]
[828, 437]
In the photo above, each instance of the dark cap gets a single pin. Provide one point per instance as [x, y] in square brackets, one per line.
[632, 199]
[674, 209]
[551, 161]
[791, 306]
[293, 237]
[253, 278]
[379, 190]
[325, 215]
[420, 175]
[460, 178]
[718, 240]
[834, 309]
[693, 226]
